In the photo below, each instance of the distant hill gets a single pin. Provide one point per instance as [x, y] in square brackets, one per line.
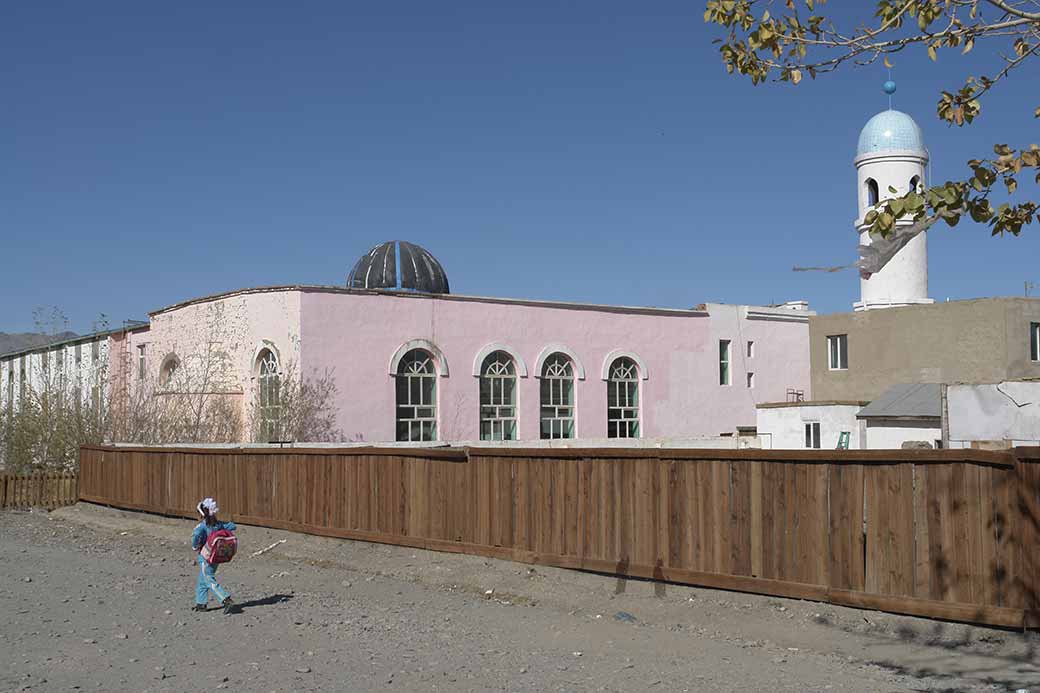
[17, 341]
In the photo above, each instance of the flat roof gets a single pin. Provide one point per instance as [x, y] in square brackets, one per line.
[937, 305]
[811, 403]
[699, 311]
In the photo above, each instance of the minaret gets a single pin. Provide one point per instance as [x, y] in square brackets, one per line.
[891, 153]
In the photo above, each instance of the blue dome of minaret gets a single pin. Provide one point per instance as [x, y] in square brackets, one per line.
[890, 131]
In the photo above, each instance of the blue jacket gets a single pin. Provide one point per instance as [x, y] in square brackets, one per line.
[202, 530]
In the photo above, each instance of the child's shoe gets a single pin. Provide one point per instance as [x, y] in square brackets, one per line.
[229, 606]
[199, 607]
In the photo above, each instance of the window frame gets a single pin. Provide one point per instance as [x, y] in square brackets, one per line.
[750, 380]
[838, 354]
[497, 392]
[142, 364]
[873, 190]
[415, 377]
[813, 435]
[556, 398]
[725, 363]
[269, 394]
[1034, 342]
[170, 365]
[624, 415]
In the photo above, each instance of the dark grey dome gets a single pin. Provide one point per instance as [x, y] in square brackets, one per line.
[399, 266]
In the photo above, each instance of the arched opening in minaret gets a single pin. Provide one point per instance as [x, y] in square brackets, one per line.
[872, 192]
[915, 184]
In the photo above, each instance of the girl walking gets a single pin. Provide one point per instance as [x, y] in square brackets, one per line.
[205, 555]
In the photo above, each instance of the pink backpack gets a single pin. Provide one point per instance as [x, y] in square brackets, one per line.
[220, 547]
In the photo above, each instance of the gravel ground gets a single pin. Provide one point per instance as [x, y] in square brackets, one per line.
[93, 598]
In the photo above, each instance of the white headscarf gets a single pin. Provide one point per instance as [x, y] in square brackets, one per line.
[206, 507]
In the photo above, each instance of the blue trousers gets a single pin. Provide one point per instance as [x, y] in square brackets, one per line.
[207, 582]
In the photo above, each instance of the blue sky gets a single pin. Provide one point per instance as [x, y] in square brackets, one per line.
[586, 151]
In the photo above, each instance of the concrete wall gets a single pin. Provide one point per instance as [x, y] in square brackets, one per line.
[886, 434]
[783, 427]
[357, 334]
[995, 412]
[1020, 313]
[983, 340]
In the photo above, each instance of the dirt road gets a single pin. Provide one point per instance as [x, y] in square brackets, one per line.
[98, 599]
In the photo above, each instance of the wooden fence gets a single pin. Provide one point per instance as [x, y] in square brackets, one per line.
[42, 489]
[951, 534]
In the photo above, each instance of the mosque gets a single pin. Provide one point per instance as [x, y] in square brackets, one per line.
[415, 363]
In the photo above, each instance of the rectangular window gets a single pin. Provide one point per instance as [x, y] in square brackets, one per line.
[95, 351]
[838, 350]
[750, 380]
[1034, 341]
[723, 362]
[750, 349]
[812, 435]
[140, 362]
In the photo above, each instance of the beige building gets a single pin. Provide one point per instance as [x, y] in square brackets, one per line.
[857, 356]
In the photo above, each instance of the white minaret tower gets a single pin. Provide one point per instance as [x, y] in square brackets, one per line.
[891, 153]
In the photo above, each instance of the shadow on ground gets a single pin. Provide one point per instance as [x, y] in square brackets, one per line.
[265, 601]
[1003, 659]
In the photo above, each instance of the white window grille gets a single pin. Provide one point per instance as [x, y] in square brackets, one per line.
[498, 397]
[623, 399]
[416, 397]
[812, 434]
[838, 352]
[1034, 341]
[269, 396]
[724, 360]
[557, 398]
[141, 369]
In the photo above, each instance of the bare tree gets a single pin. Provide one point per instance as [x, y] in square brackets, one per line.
[303, 409]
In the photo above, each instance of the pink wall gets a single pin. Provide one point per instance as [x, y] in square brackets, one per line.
[222, 335]
[357, 334]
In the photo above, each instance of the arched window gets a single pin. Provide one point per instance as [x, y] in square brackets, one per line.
[498, 397]
[269, 400]
[416, 397]
[623, 399]
[915, 184]
[167, 370]
[557, 397]
[872, 192]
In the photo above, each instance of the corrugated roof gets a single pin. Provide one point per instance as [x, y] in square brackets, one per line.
[907, 399]
[80, 339]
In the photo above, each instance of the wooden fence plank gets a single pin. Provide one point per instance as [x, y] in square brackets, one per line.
[950, 535]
